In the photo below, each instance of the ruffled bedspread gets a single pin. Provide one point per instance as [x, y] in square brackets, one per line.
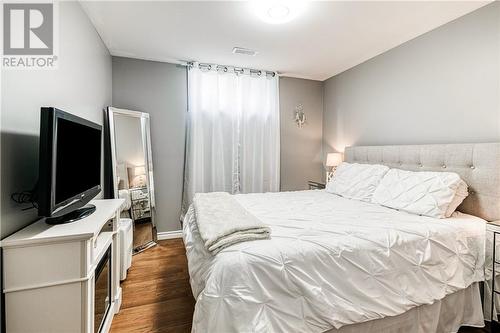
[330, 262]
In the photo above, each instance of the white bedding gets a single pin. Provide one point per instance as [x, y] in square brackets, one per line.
[356, 181]
[433, 194]
[330, 262]
[223, 222]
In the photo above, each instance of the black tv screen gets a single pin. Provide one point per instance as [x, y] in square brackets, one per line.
[70, 162]
[78, 159]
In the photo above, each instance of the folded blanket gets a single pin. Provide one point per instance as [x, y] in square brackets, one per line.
[222, 221]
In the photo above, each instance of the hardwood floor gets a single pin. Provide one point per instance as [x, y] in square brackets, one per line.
[157, 296]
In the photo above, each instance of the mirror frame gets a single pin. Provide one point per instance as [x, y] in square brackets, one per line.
[148, 158]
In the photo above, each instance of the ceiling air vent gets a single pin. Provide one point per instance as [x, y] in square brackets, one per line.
[241, 50]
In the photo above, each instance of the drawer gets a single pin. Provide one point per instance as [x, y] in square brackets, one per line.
[51, 262]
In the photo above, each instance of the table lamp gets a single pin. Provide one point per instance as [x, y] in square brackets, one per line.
[139, 176]
[332, 161]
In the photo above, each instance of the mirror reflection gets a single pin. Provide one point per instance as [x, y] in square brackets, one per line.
[133, 174]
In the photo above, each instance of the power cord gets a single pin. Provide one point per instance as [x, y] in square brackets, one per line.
[26, 197]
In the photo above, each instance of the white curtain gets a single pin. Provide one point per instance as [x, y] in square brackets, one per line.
[233, 133]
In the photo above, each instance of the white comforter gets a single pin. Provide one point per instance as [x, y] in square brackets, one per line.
[330, 262]
[223, 222]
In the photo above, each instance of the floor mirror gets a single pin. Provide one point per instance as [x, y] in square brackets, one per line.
[132, 172]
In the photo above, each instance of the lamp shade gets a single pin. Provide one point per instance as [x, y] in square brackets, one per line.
[333, 159]
[139, 170]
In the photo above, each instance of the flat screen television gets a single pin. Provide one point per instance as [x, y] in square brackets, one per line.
[69, 166]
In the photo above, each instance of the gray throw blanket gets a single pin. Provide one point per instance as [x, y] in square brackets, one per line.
[222, 221]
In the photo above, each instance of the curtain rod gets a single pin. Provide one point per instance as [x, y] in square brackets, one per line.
[227, 68]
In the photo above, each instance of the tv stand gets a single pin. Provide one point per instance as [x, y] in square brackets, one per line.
[54, 280]
[72, 216]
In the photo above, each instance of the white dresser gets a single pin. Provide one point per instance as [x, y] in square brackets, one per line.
[51, 273]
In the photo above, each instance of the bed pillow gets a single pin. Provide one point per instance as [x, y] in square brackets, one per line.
[460, 195]
[434, 194]
[356, 181]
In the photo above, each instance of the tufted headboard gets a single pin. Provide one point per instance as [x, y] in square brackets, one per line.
[477, 163]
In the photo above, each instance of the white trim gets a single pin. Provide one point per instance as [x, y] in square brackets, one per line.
[118, 300]
[169, 234]
[106, 325]
[47, 284]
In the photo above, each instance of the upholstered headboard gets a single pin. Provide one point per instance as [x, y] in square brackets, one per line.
[477, 163]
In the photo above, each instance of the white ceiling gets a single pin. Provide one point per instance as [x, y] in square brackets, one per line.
[326, 39]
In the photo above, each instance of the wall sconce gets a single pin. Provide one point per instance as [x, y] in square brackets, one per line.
[300, 116]
[333, 160]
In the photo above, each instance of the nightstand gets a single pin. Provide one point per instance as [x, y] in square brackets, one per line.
[140, 203]
[493, 233]
[315, 185]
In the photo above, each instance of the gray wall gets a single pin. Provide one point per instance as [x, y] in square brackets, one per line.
[160, 90]
[300, 147]
[81, 85]
[441, 87]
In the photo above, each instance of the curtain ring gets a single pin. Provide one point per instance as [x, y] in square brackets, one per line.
[207, 67]
[222, 68]
[256, 72]
[235, 70]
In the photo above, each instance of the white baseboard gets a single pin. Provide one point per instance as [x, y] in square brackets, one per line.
[169, 234]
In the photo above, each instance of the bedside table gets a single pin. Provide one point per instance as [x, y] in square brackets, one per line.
[317, 185]
[140, 203]
[493, 233]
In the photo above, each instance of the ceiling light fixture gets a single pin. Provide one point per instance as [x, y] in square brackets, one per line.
[278, 11]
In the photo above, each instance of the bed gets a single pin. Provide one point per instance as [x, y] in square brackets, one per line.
[340, 265]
